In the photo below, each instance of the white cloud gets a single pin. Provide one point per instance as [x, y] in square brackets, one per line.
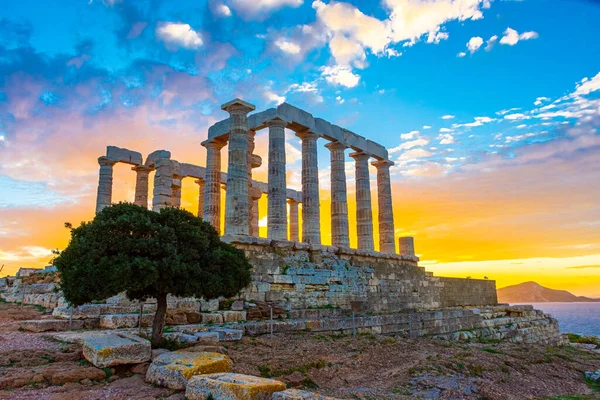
[260, 9]
[474, 44]
[287, 46]
[410, 135]
[340, 100]
[437, 37]
[522, 126]
[443, 130]
[409, 145]
[516, 116]
[512, 37]
[273, 97]
[448, 116]
[446, 138]
[340, 75]
[491, 42]
[179, 34]
[222, 10]
[540, 100]
[587, 86]
[426, 127]
[461, 54]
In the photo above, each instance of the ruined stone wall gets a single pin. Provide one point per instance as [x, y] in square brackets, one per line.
[467, 292]
[302, 276]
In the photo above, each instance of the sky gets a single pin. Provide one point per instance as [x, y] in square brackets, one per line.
[489, 109]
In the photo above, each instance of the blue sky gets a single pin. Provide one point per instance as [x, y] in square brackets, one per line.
[491, 103]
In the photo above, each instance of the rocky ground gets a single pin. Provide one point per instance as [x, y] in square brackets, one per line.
[366, 367]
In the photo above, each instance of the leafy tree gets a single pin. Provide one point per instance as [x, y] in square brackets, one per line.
[127, 248]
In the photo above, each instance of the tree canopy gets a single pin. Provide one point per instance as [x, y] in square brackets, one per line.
[127, 248]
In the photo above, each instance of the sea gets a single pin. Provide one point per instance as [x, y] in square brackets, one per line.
[579, 318]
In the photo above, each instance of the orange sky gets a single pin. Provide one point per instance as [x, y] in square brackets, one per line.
[534, 217]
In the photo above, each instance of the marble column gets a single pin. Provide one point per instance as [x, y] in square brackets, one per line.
[141, 185]
[255, 195]
[364, 213]
[176, 192]
[311, 214]
[407, 245]
[212, 178]
[105, 181]
[384, 201]
[236, 198]
[201, 186]
[163, 185]
[254, 161]
[293, 219]
[339, 198]
[277, 209]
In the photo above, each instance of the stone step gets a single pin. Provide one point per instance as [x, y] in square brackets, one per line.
[116, 321]
[45, 325]
[230, 386]
[115, 349]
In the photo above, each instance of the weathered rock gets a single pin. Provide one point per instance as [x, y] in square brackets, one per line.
[295, 394]
[205, 337]
[174, 369]
[229, 386]
[116, 349]
[116, 321]
[193, 317]
[237, 306]
[229, 335]
[212, 318]
[141, 368]
[158, 352]
[234, 316]
[593, 376]
[45, 325]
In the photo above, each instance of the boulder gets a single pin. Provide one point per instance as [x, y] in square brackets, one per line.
[174, 369]
[295, 394]
[45, 325]
[193, 317]
[231, 387]
[115, 349]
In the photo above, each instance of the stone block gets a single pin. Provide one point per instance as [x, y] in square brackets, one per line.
[116, 321]
[233, 316]
[229, 335]
[209, 306]
[115, 349]
[237, 306]
[229, 386]
[174, 369]
[209, 318]
[45, 325]
[123, 155]
[207, 336]
[295, 394]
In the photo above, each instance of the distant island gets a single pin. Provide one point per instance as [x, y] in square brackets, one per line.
[532, 292]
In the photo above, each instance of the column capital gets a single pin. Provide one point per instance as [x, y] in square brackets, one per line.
[255, 193]
[276, 122]
[382, 163]
[292, 202]
[360, 155]
[105, 161]
[216, 143]
[335, 145]
[238, 106]
[307, 134]
[255, 160]
[142, 168]
[200, 182]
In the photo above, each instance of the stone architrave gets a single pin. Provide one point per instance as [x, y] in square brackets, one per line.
[163, 184]
[364, 213]
[294, 235]
[142, 173]
[311, 214]
[176, 192]
[104, 197]
[212, 178]
[236, 198]
[201, 186]
[339, 197]
[277, 209]
[384, 201]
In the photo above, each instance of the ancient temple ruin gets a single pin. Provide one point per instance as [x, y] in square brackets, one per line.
[296, 270]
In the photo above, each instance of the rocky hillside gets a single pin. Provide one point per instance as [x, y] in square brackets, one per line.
[531, 292]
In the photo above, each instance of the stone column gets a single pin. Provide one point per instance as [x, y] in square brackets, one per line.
[236, 198]
[163, 185]
[201, 186]
[105, 181]
[339, 198]
[255, 195]
[311, 214]
[364, 213]
[141, 185]
[212, 178]
[293, 219]
[176, 192]
[407, 245]
[384, 201]
[254, 161]
[277, 209]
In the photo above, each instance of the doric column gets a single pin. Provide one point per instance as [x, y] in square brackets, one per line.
[255, 195]
[339, 198]
[384, 201]
[141, 185]
[277, 209]
[364, 213]
[105, 181]
[201, 186]
[311, 214]
[236, 198]
[407, 245]
[293, 219]
[176, 192]
[212, 178]
[254, 161]
[163, 185]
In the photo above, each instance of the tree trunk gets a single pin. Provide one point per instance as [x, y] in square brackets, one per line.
[158, 324]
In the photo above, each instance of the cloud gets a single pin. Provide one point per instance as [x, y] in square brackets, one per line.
[410, 135]
[426, 127]
[444, 130]
[446, 138]
[288, 46]
[179, 34]
[512, 37]
[448, 116]
[340, 75]
[272, 97]
[409, 145]
[491, 42]
[587, 86]
[260, 9]
[461, 54]
[474, 44]
[538, 101]
[437, 37]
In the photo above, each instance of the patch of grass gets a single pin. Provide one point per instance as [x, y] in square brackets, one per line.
[491, 351]
[170, 344]
[48, 358]
[309, 383]
[574, 338]
[595, 386]
[84, 363]
[476, 370]
[108, 372]
[267, 372]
